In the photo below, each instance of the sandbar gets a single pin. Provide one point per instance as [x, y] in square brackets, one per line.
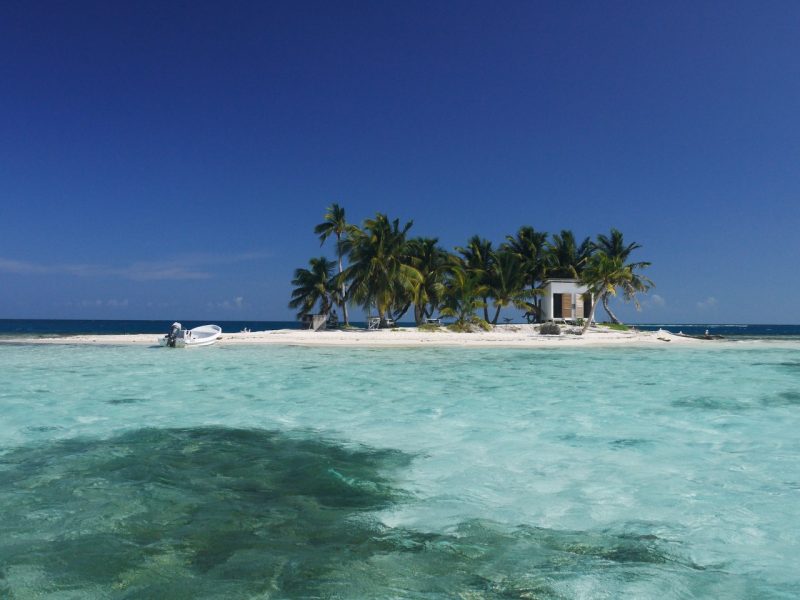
[513, 336]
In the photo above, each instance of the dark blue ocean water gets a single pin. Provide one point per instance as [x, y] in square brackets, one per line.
[79, 327]
[15, 327]
[730, 330]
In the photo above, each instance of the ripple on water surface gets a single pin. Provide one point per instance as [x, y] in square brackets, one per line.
[185, 513]
[295, 472]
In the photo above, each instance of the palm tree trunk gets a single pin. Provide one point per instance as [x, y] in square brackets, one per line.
[591, 315]
[607, 308]
[485, 309]
[534, 312]
[401, 313]
[383, 313]
[344, 288]
[496, 315]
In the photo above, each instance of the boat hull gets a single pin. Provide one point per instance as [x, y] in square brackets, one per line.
[205, 335]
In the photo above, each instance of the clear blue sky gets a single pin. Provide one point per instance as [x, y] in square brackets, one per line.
[169, 160]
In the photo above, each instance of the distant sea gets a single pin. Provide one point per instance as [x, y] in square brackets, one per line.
[730, 330]
[49, 327]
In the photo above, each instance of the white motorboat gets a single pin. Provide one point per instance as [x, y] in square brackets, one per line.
[205, 335]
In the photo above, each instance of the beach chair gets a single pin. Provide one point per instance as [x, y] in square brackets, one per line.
[373, 322]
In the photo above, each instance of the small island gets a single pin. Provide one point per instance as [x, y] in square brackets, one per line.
[391, 275]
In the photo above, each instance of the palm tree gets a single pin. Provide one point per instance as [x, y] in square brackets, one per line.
[565, 258]
[313, 285]
[433, 263]
[507, 283]
[379, 273]
[336, 224]
[478, 258]
[464, 295]
[615, 247]
[604, 274]
[530, 248]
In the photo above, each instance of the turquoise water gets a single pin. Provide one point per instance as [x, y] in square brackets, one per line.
[275, 472]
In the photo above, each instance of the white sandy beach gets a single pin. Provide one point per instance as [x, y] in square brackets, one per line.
[522, 336]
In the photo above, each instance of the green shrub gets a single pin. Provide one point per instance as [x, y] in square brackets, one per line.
[550, 329]
[466, 327]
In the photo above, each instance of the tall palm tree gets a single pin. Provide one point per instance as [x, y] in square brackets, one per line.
[614, 246]
[530, 248]
[478, 258]
[379, 272]
[314, 285]
[507, 283]
[336, 224]
[565, 257]
[433, 263]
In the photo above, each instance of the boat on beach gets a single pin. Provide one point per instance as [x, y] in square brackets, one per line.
[205, 335]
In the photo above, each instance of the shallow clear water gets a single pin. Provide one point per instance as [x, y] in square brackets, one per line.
[411, 473]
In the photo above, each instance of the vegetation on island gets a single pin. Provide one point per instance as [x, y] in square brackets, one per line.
[389, 273]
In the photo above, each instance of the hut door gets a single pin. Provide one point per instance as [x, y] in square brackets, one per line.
[566, 305]
[587, 305]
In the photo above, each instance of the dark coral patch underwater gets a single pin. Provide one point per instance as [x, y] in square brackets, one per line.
[216, 512]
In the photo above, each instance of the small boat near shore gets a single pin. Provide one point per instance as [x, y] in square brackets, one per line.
[705, 336]
[205, 335]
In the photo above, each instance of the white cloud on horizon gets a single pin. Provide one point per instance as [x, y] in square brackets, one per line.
[708, 303]
[654, 301]
[8, 265]
[236, 303]
[186, 267]
[98, 303]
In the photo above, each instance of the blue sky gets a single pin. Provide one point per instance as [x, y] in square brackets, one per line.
[169, 160]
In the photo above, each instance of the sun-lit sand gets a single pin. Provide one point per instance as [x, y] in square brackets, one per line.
[523, 336]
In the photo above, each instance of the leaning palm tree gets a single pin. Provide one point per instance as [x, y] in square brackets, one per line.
[313, 285]
[379, 273]
[604, 275]
[614, 246]
[336, 224]
[478, 257]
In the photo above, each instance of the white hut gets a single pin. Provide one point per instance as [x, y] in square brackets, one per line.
[565, 299]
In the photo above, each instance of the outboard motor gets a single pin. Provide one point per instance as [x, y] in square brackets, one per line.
[173, 334]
